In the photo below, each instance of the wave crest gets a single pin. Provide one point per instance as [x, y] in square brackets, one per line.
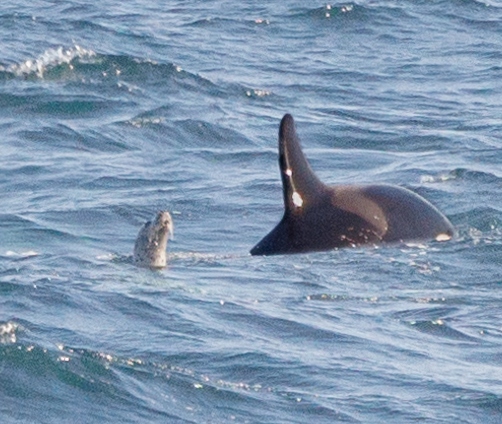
[8, 332]
[51, 58]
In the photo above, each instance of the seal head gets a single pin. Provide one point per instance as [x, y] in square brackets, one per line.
[151, 243]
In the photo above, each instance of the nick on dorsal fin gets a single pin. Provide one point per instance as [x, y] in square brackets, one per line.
[320, 217]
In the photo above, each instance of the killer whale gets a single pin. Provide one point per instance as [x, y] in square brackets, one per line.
[318, 217]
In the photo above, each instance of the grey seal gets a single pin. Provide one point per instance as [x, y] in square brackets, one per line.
[318, 217]
[151, 243]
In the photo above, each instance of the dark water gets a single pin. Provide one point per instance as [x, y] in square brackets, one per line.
[111, 111]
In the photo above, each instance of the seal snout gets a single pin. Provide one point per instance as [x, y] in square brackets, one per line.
[164, 220]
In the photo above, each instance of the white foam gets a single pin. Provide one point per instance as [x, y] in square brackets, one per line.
[8, 332]
[26, 254]
[50, 58]
[443, 237]
[431, 179]
[257, 93]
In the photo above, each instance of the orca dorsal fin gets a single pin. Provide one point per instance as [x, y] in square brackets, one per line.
[299, 182]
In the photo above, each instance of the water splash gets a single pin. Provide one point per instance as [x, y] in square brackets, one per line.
[329, 9]
[257, 93]
[49, 59]
[8, 332]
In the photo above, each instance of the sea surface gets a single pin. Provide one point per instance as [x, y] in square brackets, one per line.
[111, 111]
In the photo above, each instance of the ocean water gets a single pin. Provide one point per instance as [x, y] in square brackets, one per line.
[111, 111]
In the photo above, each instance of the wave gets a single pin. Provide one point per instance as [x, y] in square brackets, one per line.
[364, 18]
[86, 66]
[162, 387]
[8, 332]
[435, 321]
[50, 59]
[471, 176]
[328, 11]
[219, 22]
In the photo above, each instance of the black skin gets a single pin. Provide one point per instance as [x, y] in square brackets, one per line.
[318, 217]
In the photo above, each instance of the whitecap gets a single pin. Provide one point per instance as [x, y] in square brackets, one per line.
[8, 332]
[49, 59]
